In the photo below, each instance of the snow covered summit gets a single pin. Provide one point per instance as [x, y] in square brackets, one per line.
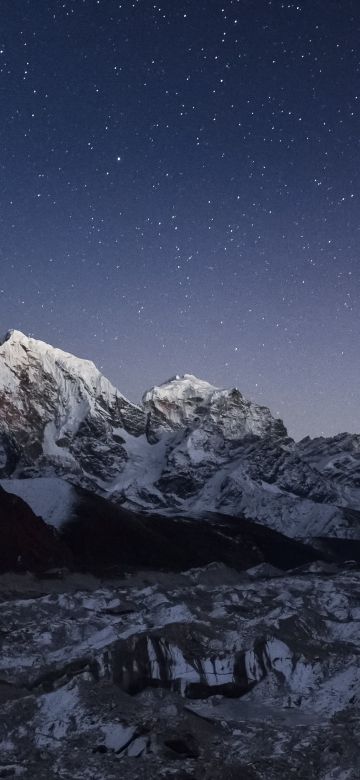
[187, 401]
[59, 414]
[18, 350]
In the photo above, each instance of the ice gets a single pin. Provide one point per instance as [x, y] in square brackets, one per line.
[117, 736]
[56, 715]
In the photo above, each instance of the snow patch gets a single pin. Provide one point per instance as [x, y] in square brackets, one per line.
[51, 498]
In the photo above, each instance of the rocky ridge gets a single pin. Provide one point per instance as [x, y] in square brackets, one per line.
[189, 448]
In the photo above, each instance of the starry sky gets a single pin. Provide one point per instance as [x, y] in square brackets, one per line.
[179, 192]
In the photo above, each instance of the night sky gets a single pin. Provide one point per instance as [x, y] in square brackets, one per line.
[180, 193]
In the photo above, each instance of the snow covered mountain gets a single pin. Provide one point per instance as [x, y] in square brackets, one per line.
[190, 448]
[59, 415]
[188, 402]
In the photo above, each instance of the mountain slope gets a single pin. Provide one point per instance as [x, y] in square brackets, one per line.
[94, 534]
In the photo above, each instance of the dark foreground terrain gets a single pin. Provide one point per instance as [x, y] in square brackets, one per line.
[209, 673]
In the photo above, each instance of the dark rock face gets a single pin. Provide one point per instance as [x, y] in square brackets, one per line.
[27, 543]
[102, 535]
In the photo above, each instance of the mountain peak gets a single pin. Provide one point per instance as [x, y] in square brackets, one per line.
[12, 335]
[17, 346]
[78, 422]
[179, 388]
[186, 401]
[52, 402]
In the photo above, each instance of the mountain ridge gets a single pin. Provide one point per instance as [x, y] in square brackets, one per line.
[191, 447]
